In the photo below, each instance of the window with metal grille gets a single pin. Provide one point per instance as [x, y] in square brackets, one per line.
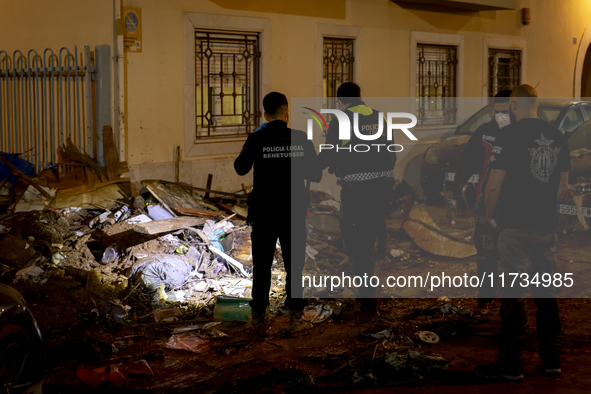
[337, 63]
[504, 70]
[436, 84]
[227, 83]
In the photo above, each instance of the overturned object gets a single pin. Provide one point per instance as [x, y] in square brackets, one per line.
[428, 337]
[425, 233]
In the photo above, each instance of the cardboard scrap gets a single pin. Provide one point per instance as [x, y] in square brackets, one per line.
[102, 197]
[424, 232]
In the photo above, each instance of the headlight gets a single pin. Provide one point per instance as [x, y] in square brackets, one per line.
[431, 157]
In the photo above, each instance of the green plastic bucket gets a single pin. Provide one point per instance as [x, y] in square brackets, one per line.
[228, 308]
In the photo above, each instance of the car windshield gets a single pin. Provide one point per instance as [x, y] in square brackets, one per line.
[485, 115]
[580, 138]
[548, 113]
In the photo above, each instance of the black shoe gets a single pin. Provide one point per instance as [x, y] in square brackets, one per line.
[500, 370]
[257, 323]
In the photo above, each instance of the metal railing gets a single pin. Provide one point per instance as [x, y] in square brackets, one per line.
[45, 99]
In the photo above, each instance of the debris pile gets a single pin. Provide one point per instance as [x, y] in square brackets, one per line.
[114, 244]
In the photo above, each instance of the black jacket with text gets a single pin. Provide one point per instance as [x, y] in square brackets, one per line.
[283, 159]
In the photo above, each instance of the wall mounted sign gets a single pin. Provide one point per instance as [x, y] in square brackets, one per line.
[132, 29]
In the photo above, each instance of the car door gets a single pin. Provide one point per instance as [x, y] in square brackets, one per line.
[579, 143]
[572, 119]
[586, 107]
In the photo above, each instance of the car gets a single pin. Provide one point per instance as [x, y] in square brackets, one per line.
[440, 161]
[21, 351]
[579, 144]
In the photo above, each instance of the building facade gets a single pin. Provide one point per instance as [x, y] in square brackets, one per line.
[193, 80]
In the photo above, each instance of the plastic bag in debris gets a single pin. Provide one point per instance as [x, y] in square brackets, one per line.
[187, 341]
[167, 269]
[31, 275]
[215, 237]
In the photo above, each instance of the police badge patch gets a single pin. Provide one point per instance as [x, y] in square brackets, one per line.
[543, 159]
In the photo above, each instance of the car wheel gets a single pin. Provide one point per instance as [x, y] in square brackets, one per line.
[19, 367]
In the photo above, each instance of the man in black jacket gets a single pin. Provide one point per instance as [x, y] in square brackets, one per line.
[283, 159]
[366, 185]
[476, 160]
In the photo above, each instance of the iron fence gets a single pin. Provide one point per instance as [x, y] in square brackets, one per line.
[45, 99]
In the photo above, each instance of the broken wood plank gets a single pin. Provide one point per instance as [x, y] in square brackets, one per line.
[198, 212]
[172, 195]
[72, 153]
[163, 226]
[230, 260]
[228, 209]
[208, 186]
[240, 211]
[110, 153]
[90, 187]
[24, 177]
[102, 197]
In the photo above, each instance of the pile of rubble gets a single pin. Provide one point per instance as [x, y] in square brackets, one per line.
[115, 244]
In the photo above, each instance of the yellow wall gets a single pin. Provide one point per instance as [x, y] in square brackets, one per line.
[154, 79]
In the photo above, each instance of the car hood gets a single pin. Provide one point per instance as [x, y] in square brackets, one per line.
[10, 298]
[450, 149]
[12, 304]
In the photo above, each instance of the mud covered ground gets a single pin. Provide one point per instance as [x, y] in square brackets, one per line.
[338, 355]
[308, 362]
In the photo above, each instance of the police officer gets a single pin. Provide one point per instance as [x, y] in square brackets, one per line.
[528, 173]
[282, 159]
[475, 160]
[366, 185]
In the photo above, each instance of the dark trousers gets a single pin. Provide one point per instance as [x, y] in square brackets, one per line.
[363, 208]
[531, 252]
[266, 229]
[485, 241]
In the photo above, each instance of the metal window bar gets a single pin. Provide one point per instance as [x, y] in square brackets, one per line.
[227, 83]
[504, 70]
[436, 84]
[41, 96]
[338, 61]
